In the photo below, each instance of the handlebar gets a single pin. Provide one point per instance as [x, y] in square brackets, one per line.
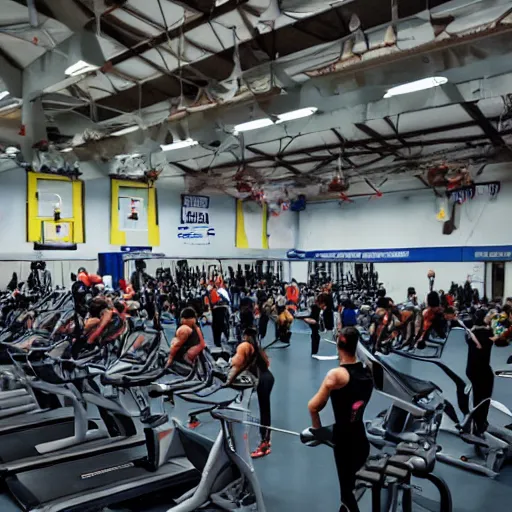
[316, 436]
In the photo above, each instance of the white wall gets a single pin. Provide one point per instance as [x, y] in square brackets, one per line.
[406, 220]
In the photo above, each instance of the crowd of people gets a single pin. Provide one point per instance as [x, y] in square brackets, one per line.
[380, 322]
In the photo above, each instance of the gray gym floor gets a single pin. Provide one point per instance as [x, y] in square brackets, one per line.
[297, 478]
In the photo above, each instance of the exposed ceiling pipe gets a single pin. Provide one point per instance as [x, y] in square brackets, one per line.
[32, 13]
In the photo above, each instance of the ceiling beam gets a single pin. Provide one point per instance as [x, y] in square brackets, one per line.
[471, 108]
[262, 156]
[196, 22]
[277, 160]
[11, 75]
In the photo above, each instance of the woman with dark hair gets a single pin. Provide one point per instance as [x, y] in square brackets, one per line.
[188, 342]
[313, 320]
[251, 357]
[432, 320]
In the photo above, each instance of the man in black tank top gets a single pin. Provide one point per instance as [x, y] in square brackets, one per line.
[349, 387]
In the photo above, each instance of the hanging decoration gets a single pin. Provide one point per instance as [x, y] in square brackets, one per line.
[338, 182]
[466, 193]
[299, 205]
[442, 208]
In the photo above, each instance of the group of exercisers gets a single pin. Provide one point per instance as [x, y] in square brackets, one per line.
[348, 386]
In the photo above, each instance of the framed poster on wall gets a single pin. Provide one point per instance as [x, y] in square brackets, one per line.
[195, 228]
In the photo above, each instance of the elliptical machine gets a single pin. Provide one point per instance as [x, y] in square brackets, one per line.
[409, 427]
[492, 448]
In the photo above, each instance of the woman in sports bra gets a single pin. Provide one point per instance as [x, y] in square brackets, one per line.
[349, 387]
[250, 357]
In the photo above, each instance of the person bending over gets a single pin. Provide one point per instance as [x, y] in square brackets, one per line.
[284, 322]
[104, 324]
[251, 357]
[188, 341]
[349, 387]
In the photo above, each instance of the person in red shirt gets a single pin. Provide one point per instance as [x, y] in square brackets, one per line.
[88, 279]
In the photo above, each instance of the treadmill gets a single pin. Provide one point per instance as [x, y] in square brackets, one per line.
[170, 459]
[43, 439]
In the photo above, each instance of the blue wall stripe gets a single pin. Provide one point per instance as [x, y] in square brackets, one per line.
[411, 255]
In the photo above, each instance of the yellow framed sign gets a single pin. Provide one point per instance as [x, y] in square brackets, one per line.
[134, 214]
[55, 211]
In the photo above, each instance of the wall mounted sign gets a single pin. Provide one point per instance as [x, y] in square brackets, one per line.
[194, 209]
[195, 220]
[196, 235]
[411, 255]
[463, 194]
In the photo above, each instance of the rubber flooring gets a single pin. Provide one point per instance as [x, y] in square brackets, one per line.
[295, 478]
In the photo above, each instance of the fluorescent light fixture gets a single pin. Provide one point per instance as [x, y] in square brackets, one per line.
[418, 85]
[179, 144]
[131, 155]
[254, 125]
[79, 68]
[66, 150]
[4, 94]
[296, 114]
[124, 131]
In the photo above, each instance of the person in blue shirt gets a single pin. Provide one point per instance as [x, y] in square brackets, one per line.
[348, 314]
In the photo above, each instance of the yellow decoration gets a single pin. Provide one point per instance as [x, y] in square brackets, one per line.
[264, 234]
[441, 215]
[35, 223]
[118, 237]
[241, 241]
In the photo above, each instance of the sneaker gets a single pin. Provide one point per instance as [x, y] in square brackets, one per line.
[193, 423]
[262, 450]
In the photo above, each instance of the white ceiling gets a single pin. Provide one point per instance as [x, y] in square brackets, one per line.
[198, 68]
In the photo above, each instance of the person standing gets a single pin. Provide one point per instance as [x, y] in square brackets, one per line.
[264, 311]
[219, 303]
[349, 388]
[478, 368]
[313, 320]
[252, 358]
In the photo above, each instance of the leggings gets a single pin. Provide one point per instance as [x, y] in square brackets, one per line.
[220, 325]
[482, 380]
[262, 325]
[348, 463]
[265, 385]
[315, 339]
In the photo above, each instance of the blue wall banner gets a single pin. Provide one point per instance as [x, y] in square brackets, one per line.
[487, 253]
[410, 255]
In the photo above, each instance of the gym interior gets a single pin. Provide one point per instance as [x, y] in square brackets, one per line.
[255, 255]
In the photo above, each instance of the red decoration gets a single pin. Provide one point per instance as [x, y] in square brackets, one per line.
[337, 185]
[244, 187]
[22, 131]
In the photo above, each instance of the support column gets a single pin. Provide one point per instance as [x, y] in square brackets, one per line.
[507, 292]
[489, 292]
